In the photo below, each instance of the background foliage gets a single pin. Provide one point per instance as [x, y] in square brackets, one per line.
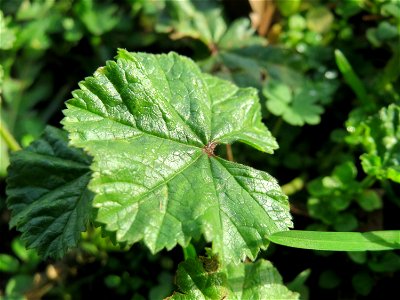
[335, 115]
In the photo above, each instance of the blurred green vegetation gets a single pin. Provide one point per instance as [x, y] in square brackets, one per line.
[328, 79]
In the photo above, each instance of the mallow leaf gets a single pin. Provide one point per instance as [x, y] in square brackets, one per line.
[259, 280]
[151, 122]
[380, 136]
[47, 193]
[203, 279]
[200, 278]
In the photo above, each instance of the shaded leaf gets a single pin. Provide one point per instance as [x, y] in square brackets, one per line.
[380, 137]
[197, 280]
[152, 123]
[98, 18]
[203, 279]
[47, 194]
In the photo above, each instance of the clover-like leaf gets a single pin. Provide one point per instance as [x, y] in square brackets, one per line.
[151, 122]
[48, 195]
[203, 279]
[298, 106]
[380, 136]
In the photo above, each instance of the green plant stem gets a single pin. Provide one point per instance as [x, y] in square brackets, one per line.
[56, 103]
[293, 186]
[368, 181]
[8, 138]
[229, 153]
[189, 252]
[277, 127]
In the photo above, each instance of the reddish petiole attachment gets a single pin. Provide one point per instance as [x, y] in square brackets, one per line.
[209, 149]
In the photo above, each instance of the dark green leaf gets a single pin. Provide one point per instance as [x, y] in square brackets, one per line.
[362, 283]
[329, 279]
[47, 193]
[385, 262]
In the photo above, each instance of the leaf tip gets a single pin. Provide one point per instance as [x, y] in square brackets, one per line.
[124, 54]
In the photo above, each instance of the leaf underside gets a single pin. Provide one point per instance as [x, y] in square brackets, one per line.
[47, 193]
[151, 123]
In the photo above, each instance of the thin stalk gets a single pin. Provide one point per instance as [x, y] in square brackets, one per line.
[293, 186]
[189, 252]
[277, 127]
[229, 153]
[56, 103]
[8, 138]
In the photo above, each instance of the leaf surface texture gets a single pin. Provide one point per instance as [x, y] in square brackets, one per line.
[151, 123]
[48, 195]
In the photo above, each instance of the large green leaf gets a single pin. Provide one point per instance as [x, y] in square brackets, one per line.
[380, 136]
[152, 122]
[48, 195]
[203, 279]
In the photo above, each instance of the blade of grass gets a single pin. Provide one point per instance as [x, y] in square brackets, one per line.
[338, 241]
[351, 77]
[8, 137]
